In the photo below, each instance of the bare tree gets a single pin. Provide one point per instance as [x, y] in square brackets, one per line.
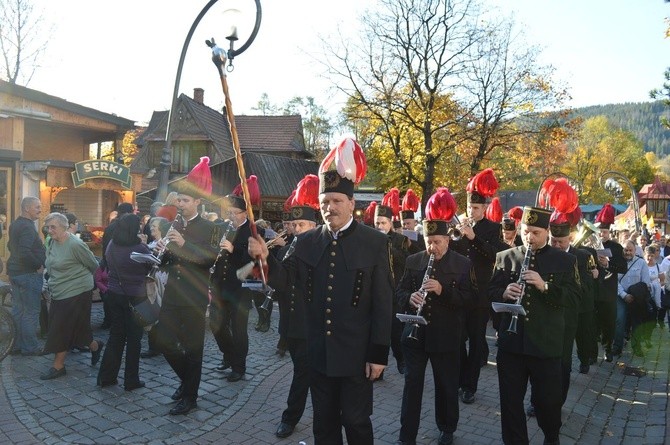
[20, 43]
[400, 77]
[317, 126]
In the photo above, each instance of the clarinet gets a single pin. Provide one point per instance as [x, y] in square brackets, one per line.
[290, 249]
[177, 224]
[429, 270]
[222, 251]
[521, 282]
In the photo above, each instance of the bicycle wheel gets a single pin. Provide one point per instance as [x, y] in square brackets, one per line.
[7, 333]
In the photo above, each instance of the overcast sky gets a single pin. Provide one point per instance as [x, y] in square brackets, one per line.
[121, 56]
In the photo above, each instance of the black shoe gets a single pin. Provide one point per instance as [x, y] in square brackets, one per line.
[584, 368]
[53, 373]
[179, 393]
[183, 407]
[105, 384]
[608, 356]
[593, 361]
[446, 438]
[553, 442]
[263, 327]
[149, 353]
[223, 366]
[95, 355]
[235, 376]
[530, 411]
[468, 397]
[284, 430]
[401, 367]
[132, 386]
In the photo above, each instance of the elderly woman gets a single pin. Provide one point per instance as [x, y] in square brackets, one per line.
[70, 265]
[126, 284]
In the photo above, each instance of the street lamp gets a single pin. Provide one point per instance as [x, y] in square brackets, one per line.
[166, 157]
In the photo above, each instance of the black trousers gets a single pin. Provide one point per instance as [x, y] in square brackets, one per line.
[229, 323]
[571, 320]
[476, 350]
[585, 338]
[181, 339]
[297, 395]
[514, 372]
[445, 375]
[341, 402]
[605, 315]
[124, 333]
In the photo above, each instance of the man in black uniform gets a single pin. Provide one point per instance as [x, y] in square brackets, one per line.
[481, 240]
[560, 226]
[343, 269]
[534, 350]
[399, 244]
[447, 288]
[605, 302]
[234, 301]
[292, 325]
[191, 251]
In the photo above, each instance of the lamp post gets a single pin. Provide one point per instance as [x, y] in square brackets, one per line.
[610, 182]
[166, 157]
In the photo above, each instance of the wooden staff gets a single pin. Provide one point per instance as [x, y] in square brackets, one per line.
[219, 58]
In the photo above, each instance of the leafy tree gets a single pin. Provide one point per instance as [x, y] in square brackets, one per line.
[265, 107]
[316, 124]
[19, 47]
[598, 147]
[664, 95]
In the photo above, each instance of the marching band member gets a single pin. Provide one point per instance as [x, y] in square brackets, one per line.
[481, 240]
[410, 204]
[534, 350]
[510, 226]
[343, 269]
[190, 253]
[385, 214]
[447, 288]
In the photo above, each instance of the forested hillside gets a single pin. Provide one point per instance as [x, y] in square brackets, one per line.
[642, 119]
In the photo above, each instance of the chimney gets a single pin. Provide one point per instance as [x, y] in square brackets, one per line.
[199, 95]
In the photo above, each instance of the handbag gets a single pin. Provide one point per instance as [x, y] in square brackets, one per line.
[145, 309]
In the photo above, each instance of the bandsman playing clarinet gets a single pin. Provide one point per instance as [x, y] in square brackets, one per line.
[190, 253]
[447, 288]
[533, 349]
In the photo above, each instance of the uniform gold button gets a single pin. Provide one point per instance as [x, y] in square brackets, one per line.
[327, 311]
[332, 253]
[332, 264]
[330, 275]
[292, 309]
[334, 243]
[330, 288]
[526, 318]
[328, 299]
[328, 322]
[328, 333]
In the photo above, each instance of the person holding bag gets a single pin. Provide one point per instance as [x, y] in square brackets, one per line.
[126, 286]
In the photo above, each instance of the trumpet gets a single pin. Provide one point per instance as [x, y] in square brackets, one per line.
[414, 333]
[281, 235]
[520, 281]
[177, 224]
[457, 224]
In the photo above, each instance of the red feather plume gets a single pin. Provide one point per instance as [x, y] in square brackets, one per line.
[484, 183]
[558, 194]
[575, 216]
[369, 216]
[392, 200]
[289, 201]
[516, 213]
[494, 211]
[410, 201]
[441, 206]
[349, 158]
[201, 176]
[254, 190]
[606, 214]
[307, 193]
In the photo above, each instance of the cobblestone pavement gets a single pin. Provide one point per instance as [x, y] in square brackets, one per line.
[604, 406]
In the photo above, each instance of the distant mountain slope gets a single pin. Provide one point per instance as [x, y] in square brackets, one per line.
[643, 119]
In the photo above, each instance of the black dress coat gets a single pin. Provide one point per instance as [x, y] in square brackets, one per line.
[348, 292]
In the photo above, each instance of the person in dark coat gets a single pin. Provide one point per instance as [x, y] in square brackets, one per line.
[410, 204]
[292, 325]
[534, 349]
[481, 240]
[230, 309]
[606, 298]
[343, 269]
[399, 245]
[442, 292]
[191, 249]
